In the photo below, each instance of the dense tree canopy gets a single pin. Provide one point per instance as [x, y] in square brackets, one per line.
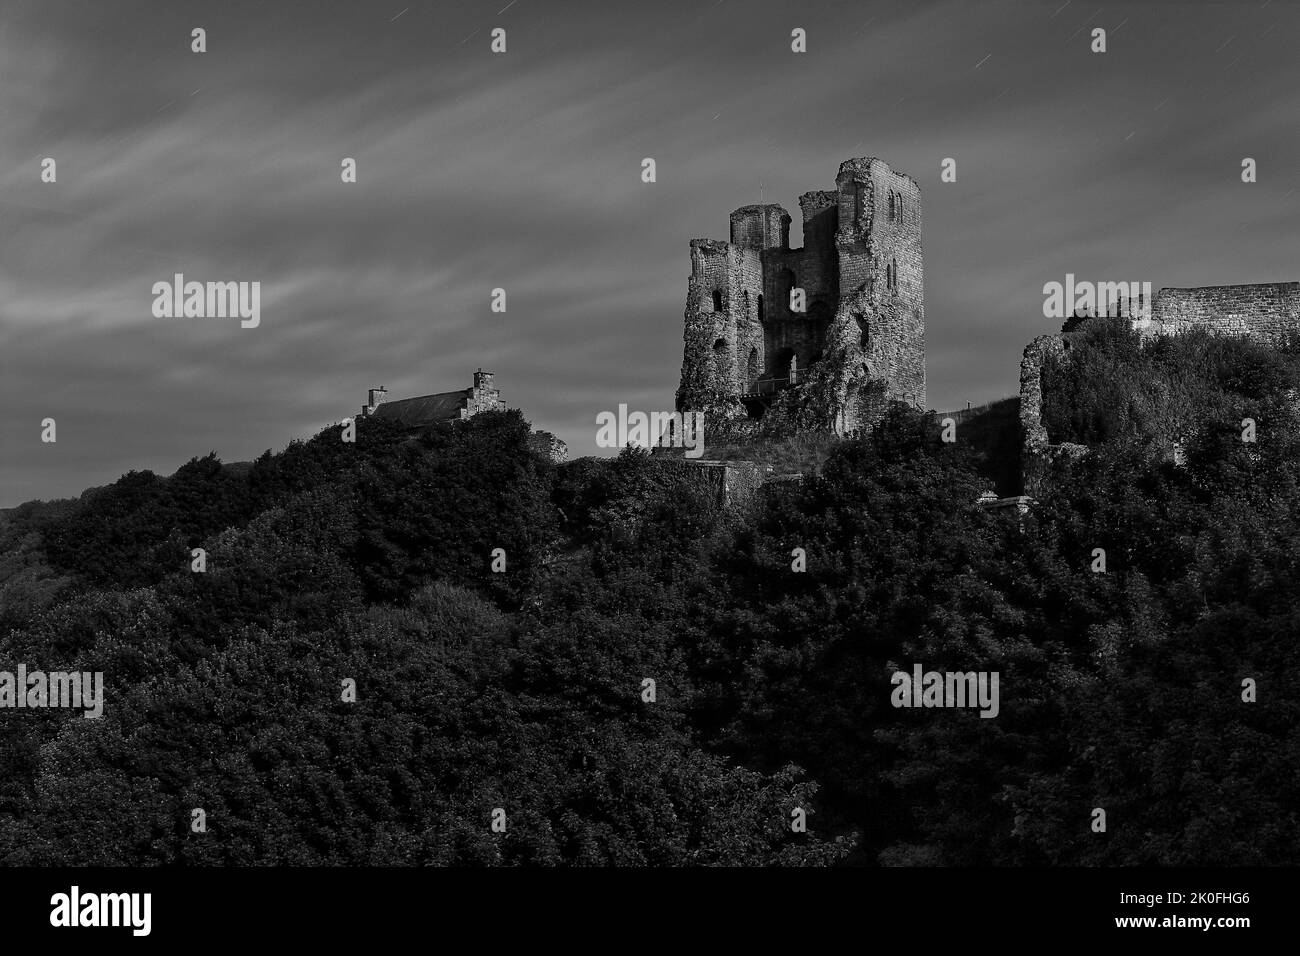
[654, 679]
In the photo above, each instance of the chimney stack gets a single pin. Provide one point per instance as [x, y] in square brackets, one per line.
[373, 399]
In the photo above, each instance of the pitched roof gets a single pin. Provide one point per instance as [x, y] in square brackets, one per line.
[423, 410]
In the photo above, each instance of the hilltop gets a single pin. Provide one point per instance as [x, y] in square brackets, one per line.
[635, 672]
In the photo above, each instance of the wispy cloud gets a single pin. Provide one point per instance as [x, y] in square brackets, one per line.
[522, 170]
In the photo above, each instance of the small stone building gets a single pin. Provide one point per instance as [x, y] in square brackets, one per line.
[414, 414]
[426, 410]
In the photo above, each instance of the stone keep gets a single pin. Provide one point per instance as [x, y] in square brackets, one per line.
[860, 340]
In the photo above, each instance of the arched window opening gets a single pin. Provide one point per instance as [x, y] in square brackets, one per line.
[717, 300]
[892, 205]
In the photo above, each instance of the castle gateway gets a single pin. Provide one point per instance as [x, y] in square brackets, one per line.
[835, 329]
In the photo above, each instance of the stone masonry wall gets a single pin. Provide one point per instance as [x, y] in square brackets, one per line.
[764, 226]
[898, 353]
[1031, 392]
[719, 333]
[1268, 311]
[787, 331]
[731, 484]
[878, 335]
[483, 396]
[1034, 444]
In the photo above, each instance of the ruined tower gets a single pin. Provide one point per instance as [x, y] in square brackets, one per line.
[857, 338]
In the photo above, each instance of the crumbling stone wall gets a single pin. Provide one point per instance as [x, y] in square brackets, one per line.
[1267, 311]
[764, 226]
[721, 326]
[1031, 391]
[731, 484]
[859, 344]
[1035, 447]
[876, 352]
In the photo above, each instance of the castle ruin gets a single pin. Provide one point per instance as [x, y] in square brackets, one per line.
[1267, 312]
[825, 336]
[836, 327]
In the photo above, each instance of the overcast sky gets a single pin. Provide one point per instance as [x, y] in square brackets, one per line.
[522, 170]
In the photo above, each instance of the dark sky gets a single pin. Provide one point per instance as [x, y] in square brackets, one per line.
[522, 170]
